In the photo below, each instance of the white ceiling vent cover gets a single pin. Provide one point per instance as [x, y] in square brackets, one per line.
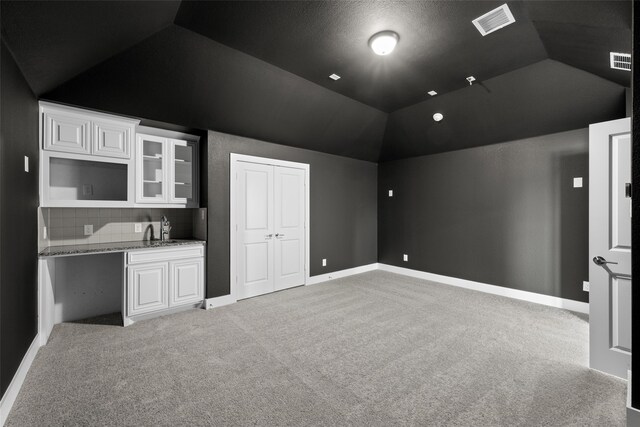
[494, 20]
[620, 61]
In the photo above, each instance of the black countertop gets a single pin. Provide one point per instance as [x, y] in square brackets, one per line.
[68, 250]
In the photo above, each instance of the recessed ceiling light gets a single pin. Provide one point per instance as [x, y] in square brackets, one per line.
[438, 117]
[383, 42]
[432, 93]
[334, 77]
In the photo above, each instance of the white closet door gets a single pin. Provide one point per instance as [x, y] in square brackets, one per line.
[255, 252]
[289, 227]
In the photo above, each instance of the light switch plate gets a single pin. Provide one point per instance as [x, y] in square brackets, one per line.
[390, 193]
[88, 229]
[577, 182]
[26, 164]
[137, 228]
[44, 233]
[405, 257]
[324, 262]
[585, 286]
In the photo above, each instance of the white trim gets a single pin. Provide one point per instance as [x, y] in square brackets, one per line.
[567, 304]
[633, 415]
[18, 379]
[210, 303]
[342, 273]
[233, 161]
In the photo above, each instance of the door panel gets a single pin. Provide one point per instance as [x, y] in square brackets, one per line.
[289, 227]
[610, 238]
[148, 288]
[187, 281]
[67, 132]
[112, 139]
[254, 249]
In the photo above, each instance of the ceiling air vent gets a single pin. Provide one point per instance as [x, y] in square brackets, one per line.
[494, 20]
[620, 61]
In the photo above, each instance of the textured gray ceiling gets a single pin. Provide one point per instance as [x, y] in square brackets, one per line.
[52, 41]
[260, 69]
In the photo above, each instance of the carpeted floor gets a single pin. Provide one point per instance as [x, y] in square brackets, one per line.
[374, 349]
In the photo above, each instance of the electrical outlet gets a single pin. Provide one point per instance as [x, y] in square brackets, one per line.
[390, 193]
[324, 262]
[405, 257]
[88, 229]
[137, 228]
[585, 286]
[202, 214]
[26, 164]
[87, 189]
[44, 233]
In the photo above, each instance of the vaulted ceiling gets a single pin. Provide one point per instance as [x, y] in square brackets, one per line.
[260, 69]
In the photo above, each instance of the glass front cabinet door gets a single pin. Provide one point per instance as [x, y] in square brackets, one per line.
[183, 172]
[151, 170]
[166, 171]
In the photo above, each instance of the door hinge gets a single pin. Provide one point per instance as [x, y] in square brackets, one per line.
[627, 190]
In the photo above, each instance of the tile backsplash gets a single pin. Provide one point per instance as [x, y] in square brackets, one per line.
[65, 226]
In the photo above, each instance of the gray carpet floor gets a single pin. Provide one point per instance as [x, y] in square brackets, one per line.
[373, 349]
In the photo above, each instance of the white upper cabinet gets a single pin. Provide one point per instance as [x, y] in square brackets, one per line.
[166, 168]
[151, 169]
[72, 130]
[66, 132]
[112, 139]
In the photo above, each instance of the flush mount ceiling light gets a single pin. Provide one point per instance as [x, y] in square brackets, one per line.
[432, 93]
[334, 77]
[384, 42]
[437, 117]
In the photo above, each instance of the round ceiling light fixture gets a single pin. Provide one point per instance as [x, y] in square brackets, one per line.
[384, 42]
[438, 117]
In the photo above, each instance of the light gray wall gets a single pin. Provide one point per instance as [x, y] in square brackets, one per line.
[505, 214]
[343, 215]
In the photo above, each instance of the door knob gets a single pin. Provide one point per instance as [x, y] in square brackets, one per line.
[268, 236]
[598, 260]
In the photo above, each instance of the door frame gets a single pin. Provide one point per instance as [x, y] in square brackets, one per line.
[234, 160]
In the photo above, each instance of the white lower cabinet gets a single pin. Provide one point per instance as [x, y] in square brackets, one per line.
[161, 280]
[186, 280]
[148, 288]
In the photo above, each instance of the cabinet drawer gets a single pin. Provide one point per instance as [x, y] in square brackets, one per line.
[69, 133]
[152, 255]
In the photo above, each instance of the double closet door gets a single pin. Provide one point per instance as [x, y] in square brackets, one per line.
[270, 228]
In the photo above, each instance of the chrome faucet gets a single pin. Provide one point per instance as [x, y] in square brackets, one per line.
[165, 227]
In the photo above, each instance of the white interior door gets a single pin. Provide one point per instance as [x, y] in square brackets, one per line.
[610, 247]
[254, 232]
[289, 227]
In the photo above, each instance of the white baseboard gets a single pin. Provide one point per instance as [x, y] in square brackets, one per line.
[313, 280]
[567, 304]
[18, 378]
[210, 303]
[633, 415]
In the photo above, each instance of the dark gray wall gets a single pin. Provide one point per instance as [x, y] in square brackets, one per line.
[505, 214]
[178, 76]
[18, 218]
[343, 214]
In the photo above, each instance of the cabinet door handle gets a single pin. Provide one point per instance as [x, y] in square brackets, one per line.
[268, 236]
[278, 235]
